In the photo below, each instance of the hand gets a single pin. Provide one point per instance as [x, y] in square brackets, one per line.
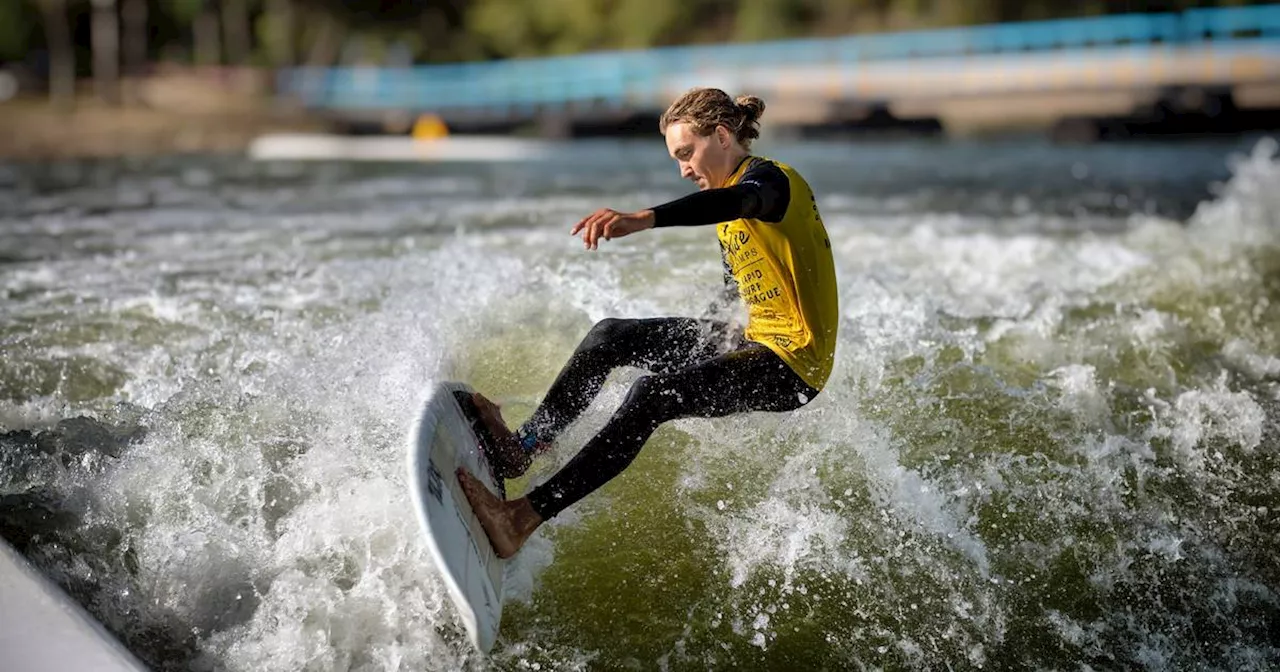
[609, 224]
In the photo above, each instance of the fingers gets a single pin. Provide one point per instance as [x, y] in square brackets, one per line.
[600, 227]
[585, 223]
[595, 228]
[592, 233]
[604, 223]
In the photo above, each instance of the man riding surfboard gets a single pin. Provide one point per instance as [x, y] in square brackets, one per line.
[776, 253]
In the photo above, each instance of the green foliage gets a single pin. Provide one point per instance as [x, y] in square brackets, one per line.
[446, 30]
[518, 28]
[268, 30]
[509, 28]
[770, 19]
[643, 23]
[16, 21]
[182, 10]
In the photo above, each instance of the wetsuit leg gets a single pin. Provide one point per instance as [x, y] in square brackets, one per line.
[752, 378]
[662, 344]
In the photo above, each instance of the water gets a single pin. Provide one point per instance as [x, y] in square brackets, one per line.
[1049, 441]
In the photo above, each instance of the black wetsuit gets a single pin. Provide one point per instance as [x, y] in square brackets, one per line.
[700, 368]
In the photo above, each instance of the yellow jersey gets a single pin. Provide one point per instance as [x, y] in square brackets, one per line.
[786, 275]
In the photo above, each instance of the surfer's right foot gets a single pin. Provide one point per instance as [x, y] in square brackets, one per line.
[508, 458]
[507, 523]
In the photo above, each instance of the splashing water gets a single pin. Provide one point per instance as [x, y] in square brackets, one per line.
[1049, 440]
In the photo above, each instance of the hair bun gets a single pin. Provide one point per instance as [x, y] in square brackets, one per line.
[752, 107]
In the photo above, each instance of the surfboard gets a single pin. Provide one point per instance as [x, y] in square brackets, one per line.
[446, 435]
[42, 628]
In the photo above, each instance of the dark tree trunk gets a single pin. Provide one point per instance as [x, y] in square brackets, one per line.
[105, 40]
[208, 45]
[235, 31]
[62, 58]
[133, 14]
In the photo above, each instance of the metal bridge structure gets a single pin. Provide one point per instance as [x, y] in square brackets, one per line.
[1031, 73]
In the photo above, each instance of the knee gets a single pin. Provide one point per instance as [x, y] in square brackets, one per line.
[653, 396]
[608, 330]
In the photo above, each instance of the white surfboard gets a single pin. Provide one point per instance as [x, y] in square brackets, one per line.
[43, 629]
[443, 439]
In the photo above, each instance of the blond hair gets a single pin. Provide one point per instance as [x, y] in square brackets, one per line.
[706, 108]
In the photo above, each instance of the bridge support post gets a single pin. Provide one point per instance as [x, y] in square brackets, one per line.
[557, 125]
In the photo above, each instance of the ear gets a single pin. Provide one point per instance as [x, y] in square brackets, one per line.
[722, 134]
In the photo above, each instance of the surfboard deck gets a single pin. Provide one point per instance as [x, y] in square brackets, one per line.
[446, 435]
[43, 629]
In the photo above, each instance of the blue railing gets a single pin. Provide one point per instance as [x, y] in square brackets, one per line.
[632, 77]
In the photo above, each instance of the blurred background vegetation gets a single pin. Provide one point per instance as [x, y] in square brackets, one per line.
[106, 37]
[190, 57]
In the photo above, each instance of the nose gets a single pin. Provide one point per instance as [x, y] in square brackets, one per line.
[686, 171]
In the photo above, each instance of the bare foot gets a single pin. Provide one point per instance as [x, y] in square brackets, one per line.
[510, 459]
[507, 523]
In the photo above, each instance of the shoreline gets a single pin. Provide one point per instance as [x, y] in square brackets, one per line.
[37, 131]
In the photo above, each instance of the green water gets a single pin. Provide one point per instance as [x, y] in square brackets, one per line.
[1049, 441]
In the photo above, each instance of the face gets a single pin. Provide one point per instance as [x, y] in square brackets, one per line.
[701, 158]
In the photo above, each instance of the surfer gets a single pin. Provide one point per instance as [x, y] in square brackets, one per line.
[776, 257]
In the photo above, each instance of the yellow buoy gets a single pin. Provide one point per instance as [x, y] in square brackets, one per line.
[429, 127]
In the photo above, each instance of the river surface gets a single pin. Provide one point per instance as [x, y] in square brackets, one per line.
[1049, 441]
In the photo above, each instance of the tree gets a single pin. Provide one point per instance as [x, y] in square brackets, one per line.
[105, 28]
[133, 18]
[14, 37]
[770, 19]
[62, 59]
[208, 46]
[276, 33]
[235, 31]
[205, 43]
[324, 36]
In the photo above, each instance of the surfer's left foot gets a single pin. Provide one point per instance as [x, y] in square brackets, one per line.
[508, 523]
[507, 457]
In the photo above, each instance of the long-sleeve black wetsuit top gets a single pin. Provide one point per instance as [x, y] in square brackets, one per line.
[763, 193]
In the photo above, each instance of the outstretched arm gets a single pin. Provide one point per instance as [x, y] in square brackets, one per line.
[764, 193]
